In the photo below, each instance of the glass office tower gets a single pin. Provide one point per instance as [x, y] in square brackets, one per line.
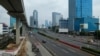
[78, 9]
[12, 21]
[83, 8]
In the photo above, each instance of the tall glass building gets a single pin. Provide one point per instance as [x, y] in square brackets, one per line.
[78, 9]
[12, 21]
[55, 18]
[35, 17]
[31, 21]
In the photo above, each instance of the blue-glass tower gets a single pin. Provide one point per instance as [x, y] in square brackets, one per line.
[83, 8]
[80, 12]
[12, 21]
[80, 8]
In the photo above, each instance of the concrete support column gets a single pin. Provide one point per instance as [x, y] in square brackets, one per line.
[25, 32]
[17, 31]
[23, 29]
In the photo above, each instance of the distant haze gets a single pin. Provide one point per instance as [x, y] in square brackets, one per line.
[45, 9]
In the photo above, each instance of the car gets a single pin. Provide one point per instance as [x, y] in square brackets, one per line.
[43, 41]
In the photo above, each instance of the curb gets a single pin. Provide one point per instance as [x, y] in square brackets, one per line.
[66, 43]
[92, 51]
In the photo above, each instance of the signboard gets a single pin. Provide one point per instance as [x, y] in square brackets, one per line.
[84, 26]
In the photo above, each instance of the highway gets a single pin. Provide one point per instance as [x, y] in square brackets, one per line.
[59, 49]
[70, 40]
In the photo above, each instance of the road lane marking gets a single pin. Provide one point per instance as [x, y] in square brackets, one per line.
[71, 50]
[54, 45]
[65, 51]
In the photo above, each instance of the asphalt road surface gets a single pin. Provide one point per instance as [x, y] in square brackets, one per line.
[70, 40]
[59, 49]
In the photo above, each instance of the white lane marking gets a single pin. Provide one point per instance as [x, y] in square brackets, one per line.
[65, 51]
[71, 50]
[54, 45]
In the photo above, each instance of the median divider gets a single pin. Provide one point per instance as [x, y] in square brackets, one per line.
[46, 35]
[92, 51]
[78, 47]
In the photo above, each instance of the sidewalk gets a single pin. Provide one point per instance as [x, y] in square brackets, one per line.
[29, 49]
[42, 50]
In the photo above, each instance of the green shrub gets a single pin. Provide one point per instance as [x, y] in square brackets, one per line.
[57, 38]
[93, 51]
[84, 33]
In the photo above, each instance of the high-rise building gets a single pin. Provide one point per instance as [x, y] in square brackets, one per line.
[35, 17]
[50, 24]
[46, 24]
[80, 13]
[55, 18]
[12, 21]
[63, 26]
[80, 8]
[31, 21]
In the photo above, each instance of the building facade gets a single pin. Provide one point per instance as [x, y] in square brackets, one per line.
[86, 24]
[63, 26]
[31, 21]
[80, 12]
[46, 23]
[63, 23]
[35, 17]
[12, 21]
[55, 18]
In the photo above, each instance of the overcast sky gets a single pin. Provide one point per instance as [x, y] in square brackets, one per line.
[45, 9]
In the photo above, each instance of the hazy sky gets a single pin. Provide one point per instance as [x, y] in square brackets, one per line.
[45, 9]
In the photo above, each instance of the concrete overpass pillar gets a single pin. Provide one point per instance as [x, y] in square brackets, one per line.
[17, 31]
[23, 29]
[25, 32]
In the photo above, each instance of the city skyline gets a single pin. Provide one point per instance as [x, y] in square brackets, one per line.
[46, 8]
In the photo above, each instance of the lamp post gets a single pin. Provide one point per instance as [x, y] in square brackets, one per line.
[97, 33]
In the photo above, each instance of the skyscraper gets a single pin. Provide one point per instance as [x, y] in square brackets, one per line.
[46, 23]
[55, 18]
[35, 17]
[79, 11]
[80, 8]
[31, 21]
